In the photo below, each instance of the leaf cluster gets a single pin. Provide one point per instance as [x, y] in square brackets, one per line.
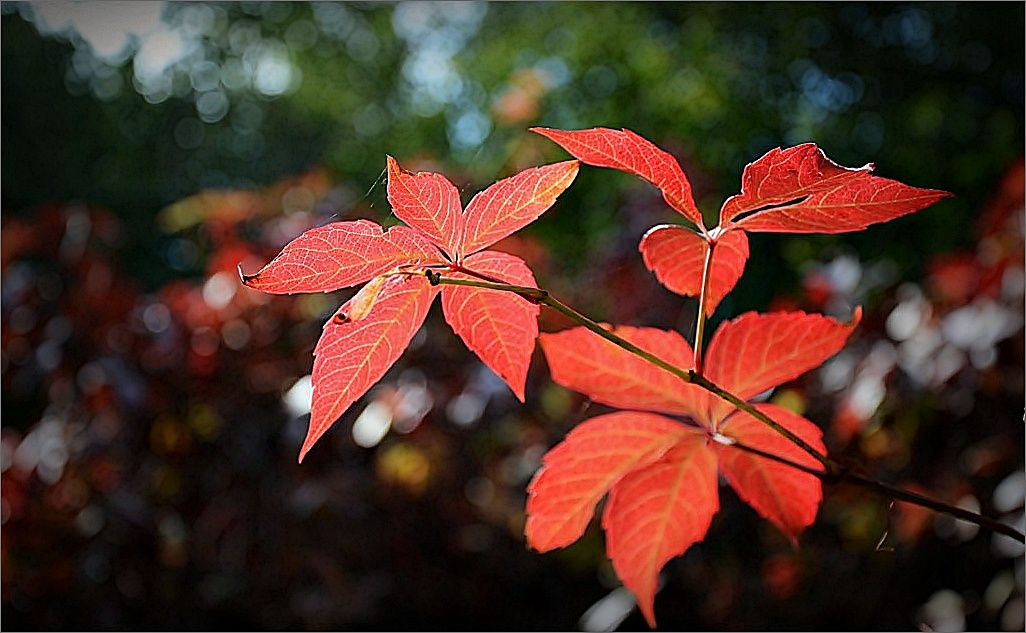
[659, 458]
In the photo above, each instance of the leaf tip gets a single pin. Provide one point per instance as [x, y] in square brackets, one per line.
[647, 608]
[856, 317]
[547, 132]
[308, 444]
[518, 391]
[252, 281]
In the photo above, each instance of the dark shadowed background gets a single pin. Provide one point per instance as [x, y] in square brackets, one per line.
[153, 409]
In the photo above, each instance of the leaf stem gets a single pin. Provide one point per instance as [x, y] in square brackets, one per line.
[536, 295]
[894, 492]
[833, 472]
[703, 297]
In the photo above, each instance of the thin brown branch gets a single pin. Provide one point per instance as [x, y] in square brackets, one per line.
[833, 472]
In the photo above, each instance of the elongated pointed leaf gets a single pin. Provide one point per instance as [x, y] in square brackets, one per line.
[513, 203]
[583, 361]
[754, 352]
[676, 255]
[629, 152]
[800, 190]
[657, 512]
[353, 355]
[786, 496]
[578, 471]
[427, 202]
[338, 255]
[499, 326]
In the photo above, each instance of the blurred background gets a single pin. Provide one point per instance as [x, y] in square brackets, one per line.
[153, 409]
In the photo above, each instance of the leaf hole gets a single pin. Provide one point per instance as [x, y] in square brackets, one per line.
[769, 207]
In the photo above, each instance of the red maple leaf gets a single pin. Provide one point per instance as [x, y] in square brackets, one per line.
[661, 472]
[793, 190]
[373, 328]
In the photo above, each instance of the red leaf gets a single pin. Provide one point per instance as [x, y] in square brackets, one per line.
[583, 361]
[676, 255]
[427, 202]
[755, 352]
[338, 255]
[578, 471]
[499, 326]
[657, 512]
[806, 192]
[785, 495]
[626, 151]
[353, 355]
[513, 203]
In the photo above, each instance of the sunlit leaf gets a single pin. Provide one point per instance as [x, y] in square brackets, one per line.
[427, 202]
[800, 190]
[513, 203]
[657, 511]
[578, 471]
[755, 352]
[338, 255]
[677, 255]
[785, 495]
[499, 326]
[353, 355]
[581, 360]
[626, 151]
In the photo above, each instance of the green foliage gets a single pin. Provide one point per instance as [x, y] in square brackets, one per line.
[930, 93]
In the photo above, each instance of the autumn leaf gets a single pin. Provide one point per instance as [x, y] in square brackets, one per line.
[800, 190]
[353, 355]
[756, 352]
[427, 202]
[499, 326]
[657, 512]
[661, 505]
[579, 471]
[338, 255]
[676, 255]
[629, 152]
[794, 190]
[786, 496]
[369, 333]
[511, 204]
[580, 360]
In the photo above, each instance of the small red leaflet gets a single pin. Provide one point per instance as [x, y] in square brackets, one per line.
[370, 332]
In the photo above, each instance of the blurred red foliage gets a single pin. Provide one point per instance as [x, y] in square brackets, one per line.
[149, 439]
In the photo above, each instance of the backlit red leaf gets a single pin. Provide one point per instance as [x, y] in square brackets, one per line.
[786, 496]
[629, 152]
[676, 255]
[513, 203]
[353, 355]
[583, 361]
[800, 190]
[578, 471]
[338, 255]
[427, 202]
[755, 352]
[657, 512]
[499, 326]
